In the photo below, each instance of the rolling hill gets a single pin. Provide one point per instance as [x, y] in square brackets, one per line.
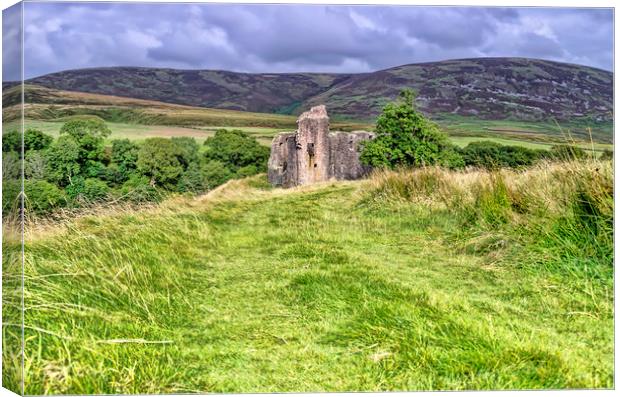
[487, 88]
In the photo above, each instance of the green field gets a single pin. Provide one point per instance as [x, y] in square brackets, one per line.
[266, 134]
[420, 280]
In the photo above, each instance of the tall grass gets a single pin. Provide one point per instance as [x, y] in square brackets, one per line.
[411, 280]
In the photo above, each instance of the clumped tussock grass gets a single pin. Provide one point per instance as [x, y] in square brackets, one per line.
[410, 280]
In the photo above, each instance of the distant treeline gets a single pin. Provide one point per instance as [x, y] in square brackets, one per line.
[78, 169]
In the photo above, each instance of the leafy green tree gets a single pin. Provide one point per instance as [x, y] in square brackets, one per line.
[158, 159]
[33, 140]
[405, 138]
[63, 160]
[11, 141]
[236, 149]
[89, 135]
[124, 158]
[189, 150]
[36, 140]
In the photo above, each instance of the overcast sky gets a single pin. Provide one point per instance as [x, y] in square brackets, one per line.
[287, 38]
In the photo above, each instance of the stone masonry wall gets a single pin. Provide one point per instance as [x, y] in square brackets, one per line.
[313, 154]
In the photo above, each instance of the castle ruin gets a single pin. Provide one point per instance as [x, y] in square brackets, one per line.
[314, 154]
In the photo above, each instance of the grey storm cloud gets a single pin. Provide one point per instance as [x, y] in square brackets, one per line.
[287, 38]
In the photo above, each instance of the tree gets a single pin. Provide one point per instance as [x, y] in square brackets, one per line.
[189, 150]
[62, 160]
[36, 140]
[33, 140]
[158, 159]
[406, 138]
[89, 135]
[124, 155]
[236, 149]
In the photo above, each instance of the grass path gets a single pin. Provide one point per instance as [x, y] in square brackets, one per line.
[303, 290]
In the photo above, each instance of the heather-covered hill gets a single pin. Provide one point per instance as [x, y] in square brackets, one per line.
[487, 88]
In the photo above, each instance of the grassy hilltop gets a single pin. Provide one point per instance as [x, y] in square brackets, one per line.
[410, 280]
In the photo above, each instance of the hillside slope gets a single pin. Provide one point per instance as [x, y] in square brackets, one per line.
[488, 88]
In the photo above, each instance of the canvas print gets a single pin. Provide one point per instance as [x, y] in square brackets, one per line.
[260, 198]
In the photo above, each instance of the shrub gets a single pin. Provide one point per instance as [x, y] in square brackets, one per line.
[137, 189]
[41, 196]
[492, 155]
[193, 180]
[607, 155]
[236, 149]
[216, 174]
[246, 171]
[11, 167]
[405, 138]
[188, 148]
[35, 165]
[158, 159]
[567, 153]
[10, 194]
[87, 190]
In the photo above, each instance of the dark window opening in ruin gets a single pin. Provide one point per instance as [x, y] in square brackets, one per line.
[284, 165]
[311, 149]
[314, 165]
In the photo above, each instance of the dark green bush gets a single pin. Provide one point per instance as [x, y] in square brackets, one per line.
[492, 155]
[188, 149]
[216, 174]
[10, 193]
[607, 155]
[87, 190]
[41, 196]
[193, 179]
[567, 153]
[33, 140]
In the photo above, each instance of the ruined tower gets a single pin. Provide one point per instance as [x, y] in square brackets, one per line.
[313, 154]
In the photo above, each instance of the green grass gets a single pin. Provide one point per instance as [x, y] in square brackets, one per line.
[541, 131]
[368, 285]
[265, 135]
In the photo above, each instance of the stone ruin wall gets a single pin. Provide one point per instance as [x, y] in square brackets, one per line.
[314, 154]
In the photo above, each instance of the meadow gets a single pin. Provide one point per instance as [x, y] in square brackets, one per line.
[421, 279]
[478, 130]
